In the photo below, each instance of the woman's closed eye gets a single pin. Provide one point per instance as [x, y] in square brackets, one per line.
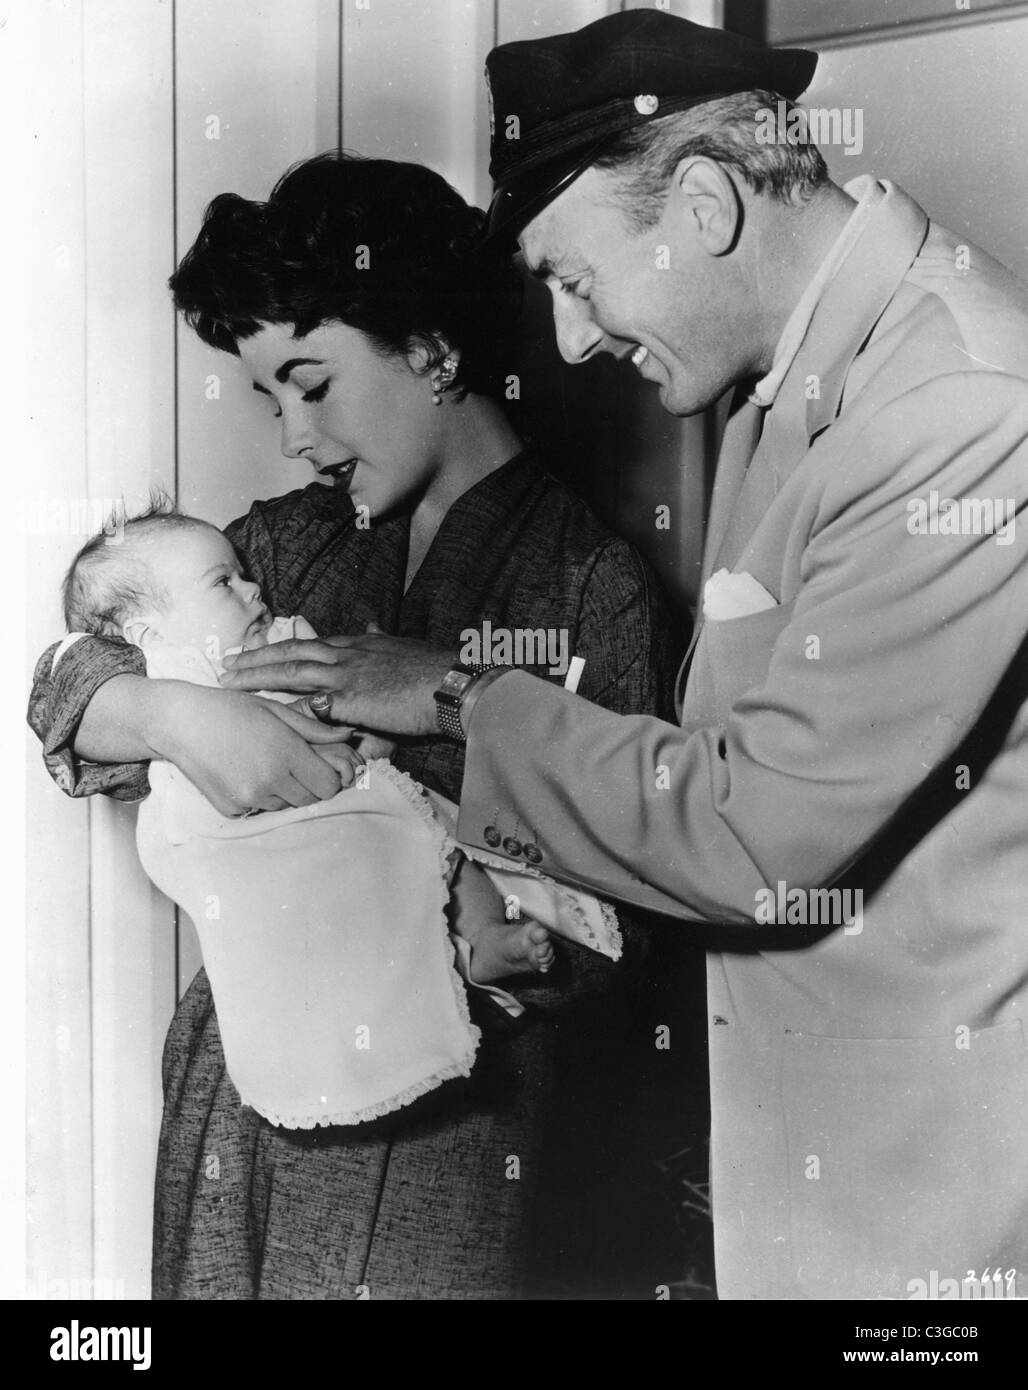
[312, 397]
[574, 284]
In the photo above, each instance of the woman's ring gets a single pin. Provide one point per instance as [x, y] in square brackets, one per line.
[321, 707]
[253, 811]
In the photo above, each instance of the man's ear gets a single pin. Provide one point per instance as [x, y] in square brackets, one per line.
[710, 203]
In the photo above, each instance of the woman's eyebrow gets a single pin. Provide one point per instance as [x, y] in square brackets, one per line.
[282, 373]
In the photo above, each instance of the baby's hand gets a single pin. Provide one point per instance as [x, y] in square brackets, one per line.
[344, 758]
[373, 745]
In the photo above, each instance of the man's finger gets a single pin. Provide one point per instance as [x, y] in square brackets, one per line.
[292, 650]
[278, 675]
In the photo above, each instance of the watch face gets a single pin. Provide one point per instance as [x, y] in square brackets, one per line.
[455, 684]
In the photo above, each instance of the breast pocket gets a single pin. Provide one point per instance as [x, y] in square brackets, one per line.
[732, 658]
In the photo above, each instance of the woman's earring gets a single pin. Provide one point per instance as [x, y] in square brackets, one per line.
[443, 377]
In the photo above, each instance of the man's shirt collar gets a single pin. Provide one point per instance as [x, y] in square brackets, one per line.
[868, 193]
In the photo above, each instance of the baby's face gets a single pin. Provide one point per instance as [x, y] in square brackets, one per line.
[210, 604]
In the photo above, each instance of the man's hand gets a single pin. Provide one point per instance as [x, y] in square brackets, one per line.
[376, 682]
[244, 754]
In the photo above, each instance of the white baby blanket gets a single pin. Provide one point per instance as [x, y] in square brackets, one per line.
[324, 933]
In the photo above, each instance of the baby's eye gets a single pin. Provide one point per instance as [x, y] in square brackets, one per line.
[225, 579]
[317, 393]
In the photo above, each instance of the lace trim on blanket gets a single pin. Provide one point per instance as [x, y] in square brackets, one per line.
[414, 792]
[383, 1107]
[610, 921]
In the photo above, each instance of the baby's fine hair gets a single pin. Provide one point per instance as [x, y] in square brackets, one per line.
[109, 581]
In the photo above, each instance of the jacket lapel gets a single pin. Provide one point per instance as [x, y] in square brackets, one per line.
[810, 396]
[763, 445]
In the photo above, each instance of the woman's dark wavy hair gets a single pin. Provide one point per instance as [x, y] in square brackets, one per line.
[387, 248]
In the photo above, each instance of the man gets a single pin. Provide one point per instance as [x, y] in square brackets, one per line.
[851, 713]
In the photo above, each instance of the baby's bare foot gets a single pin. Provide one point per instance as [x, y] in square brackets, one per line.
[522, 948]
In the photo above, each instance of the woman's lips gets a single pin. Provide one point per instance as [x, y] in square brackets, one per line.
[339, 474]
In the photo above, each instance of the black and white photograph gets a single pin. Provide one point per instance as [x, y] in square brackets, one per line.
[520, 576]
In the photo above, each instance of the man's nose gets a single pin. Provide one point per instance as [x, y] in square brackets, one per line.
[578, 337]
[297, 435]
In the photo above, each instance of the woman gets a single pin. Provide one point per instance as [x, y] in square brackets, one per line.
[359, 305]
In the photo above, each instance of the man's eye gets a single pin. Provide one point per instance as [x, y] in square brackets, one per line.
[317, 393]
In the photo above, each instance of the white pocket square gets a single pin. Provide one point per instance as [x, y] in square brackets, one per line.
[727, 595]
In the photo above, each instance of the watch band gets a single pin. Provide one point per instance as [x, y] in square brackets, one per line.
[449, 698]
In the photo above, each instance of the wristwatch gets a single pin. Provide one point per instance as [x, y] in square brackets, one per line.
[450, 697]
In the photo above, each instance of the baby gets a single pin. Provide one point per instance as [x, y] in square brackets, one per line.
[324, 929]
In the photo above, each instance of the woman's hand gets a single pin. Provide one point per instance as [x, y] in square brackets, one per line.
[376, 682]
[244, 754]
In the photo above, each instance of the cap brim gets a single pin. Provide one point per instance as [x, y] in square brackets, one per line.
[517, 202]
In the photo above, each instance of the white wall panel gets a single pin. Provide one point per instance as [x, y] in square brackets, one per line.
[531, 19]
[130, 336]
[53, 263]
[426, 102]
[929, 125]
[256, 90]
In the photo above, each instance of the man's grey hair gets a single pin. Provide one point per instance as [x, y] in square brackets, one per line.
[109, 580]
[725, 130]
